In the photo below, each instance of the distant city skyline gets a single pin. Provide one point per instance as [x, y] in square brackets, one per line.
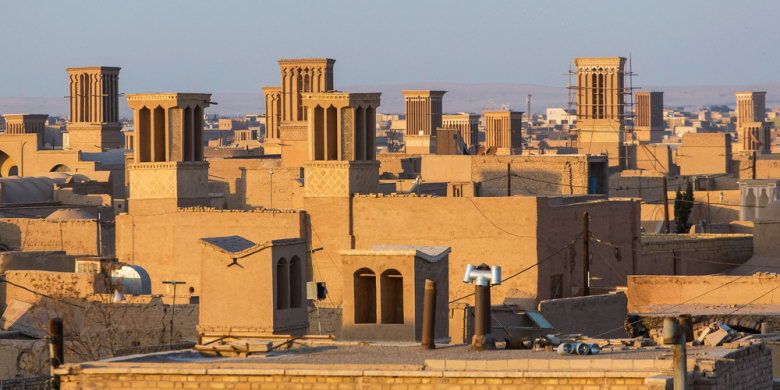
[233, 46]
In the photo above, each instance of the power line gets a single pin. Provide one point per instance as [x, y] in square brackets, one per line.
[4, 280]
[607, 243]
[757, 298]
[559, 250]
[667, 311]
[494, 224]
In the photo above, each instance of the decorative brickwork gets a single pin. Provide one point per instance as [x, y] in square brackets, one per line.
[340, 178]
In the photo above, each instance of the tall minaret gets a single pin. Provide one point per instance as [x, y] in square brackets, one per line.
[94, 108]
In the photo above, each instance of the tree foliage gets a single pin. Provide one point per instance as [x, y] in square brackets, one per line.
[683, 205]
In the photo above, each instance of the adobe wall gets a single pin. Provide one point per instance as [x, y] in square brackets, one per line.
[765, 238]
[90, 325]
[227, 175]
[767, 167]
[500, 230]
[75, 237]
[723, 207]
[460, 224]
[281, 189]
[37, 260]
[398, 165]
[612, 222]
[60, 284]
[744, 368]
[704, 154]
[531, 175]
[166, 244]
[435, 168]
[594, 315]
[647, 293]
[656, 158]
[693, 254]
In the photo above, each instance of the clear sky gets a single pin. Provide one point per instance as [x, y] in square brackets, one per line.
[232, 46]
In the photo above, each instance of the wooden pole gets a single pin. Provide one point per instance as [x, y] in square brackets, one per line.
[667, 227]
[56, 348]
[429, 315]
[508, 179]
[753, 167]
[585, 255]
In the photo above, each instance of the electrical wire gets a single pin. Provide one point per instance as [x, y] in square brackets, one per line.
[4, 280]
[559, 250]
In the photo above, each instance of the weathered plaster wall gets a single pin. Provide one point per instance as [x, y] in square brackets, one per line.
[693, 254]
[647, 293]
[500, 230]
[531, 175]
[75, 237]
[594, 315]
[167, 246]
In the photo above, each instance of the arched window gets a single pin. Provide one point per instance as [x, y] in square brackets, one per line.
[296, 282]
[282, 285]
[365, 296]
[13, 171]
[749, 205]
[60, 168]
[392, 285]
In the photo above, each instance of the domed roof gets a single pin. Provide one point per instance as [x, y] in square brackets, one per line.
[69, 214]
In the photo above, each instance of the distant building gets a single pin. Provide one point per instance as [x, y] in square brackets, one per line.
[600, 107]
[752, 128]
[503, 132]
[649, 121]
[467, 124]
[560, 116]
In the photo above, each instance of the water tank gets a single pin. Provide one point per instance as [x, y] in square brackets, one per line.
[131, 279]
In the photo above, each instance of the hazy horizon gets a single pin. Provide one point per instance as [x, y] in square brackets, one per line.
[233, 46]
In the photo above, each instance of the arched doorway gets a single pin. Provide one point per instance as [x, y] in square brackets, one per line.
[60, 168]
[392, 285]
[365, 296]
[8, 166]
[282, 285]
[296, 282]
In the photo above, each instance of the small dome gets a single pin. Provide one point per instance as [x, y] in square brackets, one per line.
[69, 214]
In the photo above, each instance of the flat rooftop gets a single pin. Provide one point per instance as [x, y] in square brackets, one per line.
[405, 357]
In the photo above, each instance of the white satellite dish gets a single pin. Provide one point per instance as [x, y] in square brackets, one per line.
[131, 279]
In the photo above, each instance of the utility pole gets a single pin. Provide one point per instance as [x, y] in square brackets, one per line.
[585, 255]
[753, 166]
[709, 214]
[508, 179]
[667, 228]
[174, 283]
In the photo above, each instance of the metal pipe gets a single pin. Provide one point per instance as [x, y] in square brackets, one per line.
[676, 337]
[480, 341]
[483, 277]
[429, 315]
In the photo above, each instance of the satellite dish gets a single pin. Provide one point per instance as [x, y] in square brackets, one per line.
[131, 279]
